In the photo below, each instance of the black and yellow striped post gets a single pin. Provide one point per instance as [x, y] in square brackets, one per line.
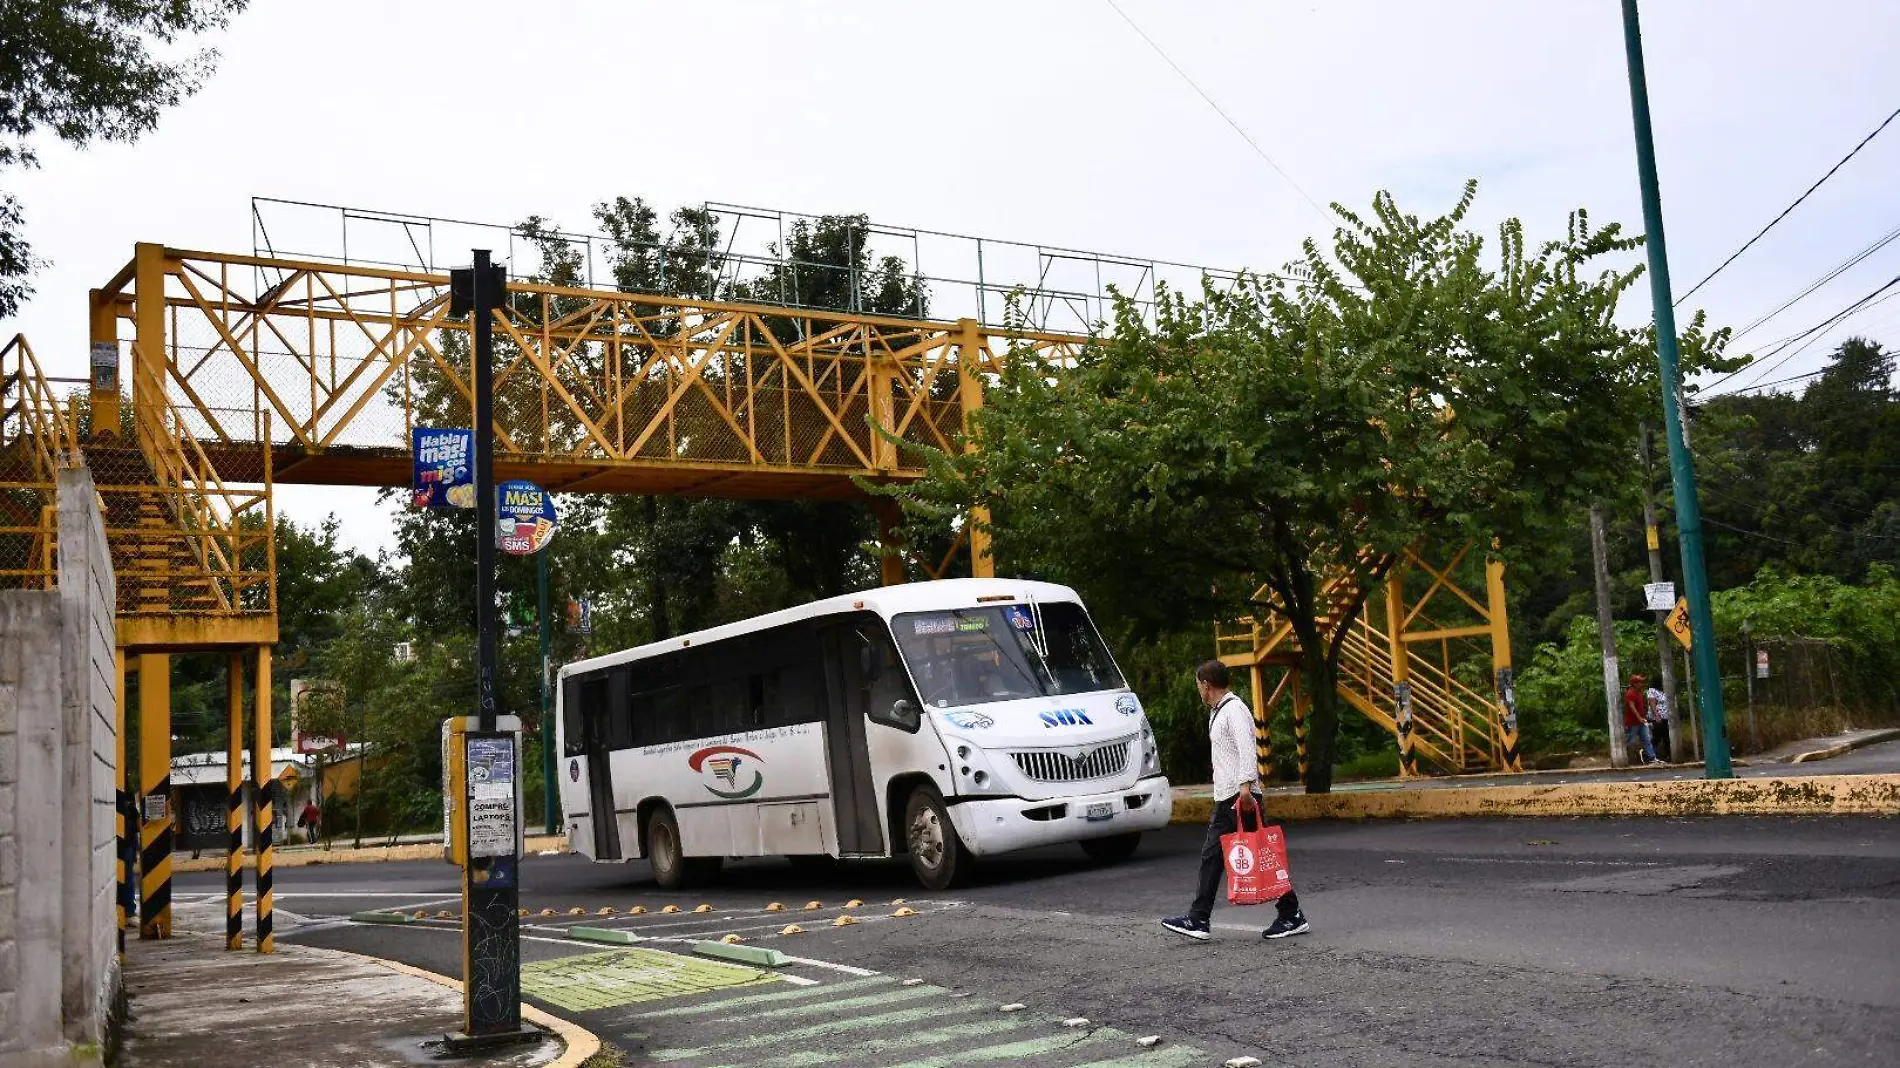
[1498, 615]
[122, 804]
[155, 788]
[1262, 711]
[1301, 704]
[234, 804]
[261, 787]
[1401, 670]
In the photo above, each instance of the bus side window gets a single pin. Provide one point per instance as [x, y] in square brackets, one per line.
[573, 741]
[640, 716]
[619, 712]
[699, 706]
[669, 719]
[755, 714]
[731, 712]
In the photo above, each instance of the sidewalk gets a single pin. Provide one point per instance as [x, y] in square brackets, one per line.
[1761, 787]
[192, 1004]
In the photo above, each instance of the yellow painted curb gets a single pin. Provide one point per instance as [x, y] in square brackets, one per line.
[1815, 795]
[581, 1043]
[299, 858]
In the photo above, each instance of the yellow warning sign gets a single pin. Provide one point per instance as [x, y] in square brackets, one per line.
[1678, 622]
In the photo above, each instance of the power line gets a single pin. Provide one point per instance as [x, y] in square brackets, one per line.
[1868, 301]
[1784, 212]
[1831, 275]
[1218, 110]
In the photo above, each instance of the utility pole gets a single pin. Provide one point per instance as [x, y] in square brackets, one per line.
[1695, 577]
[550, 808]
[1606, 630]
[491, 931]
[1652, 536]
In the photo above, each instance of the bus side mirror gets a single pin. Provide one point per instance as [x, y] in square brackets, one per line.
[870, 662]
[905, 714]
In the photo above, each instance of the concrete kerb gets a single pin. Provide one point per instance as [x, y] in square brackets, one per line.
[1815, 795]
[1874, 738]
[304, 857]
[581, 1043]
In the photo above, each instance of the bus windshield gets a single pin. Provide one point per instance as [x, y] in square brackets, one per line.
[967, 656]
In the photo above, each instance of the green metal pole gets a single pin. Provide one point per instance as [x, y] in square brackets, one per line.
[1695, 577]
[550, 799]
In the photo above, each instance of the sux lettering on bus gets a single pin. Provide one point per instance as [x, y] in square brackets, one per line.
[1067, 717]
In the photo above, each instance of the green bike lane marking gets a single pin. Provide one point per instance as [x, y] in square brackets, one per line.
[821, 1030]
[811, 1058]
[585, 981]
[751, 1000]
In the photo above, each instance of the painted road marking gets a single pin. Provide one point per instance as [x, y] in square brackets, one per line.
[764, 999]
[626, 976]
[1011, 1051]
[1172, 1057]
[811, 1058]
[824, 1030]
[866, 1001]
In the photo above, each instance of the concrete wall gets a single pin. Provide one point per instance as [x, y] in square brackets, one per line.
[58, 742]
[89, 685]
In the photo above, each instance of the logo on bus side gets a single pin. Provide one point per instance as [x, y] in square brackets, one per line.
[1067, 717]
[728, 764]
[969, 721]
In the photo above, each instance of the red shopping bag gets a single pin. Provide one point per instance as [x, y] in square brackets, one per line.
[1256, 859]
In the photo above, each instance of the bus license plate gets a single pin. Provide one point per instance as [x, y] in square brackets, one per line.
[1101, 810]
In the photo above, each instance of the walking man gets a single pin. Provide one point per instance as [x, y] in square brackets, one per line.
[1636, 719]
[1230, 729]
[1659, 725]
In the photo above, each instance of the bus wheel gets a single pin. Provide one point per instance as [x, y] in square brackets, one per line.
[936, 853]
[1113, 848]
[664, 851]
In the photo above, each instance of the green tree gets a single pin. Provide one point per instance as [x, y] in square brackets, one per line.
[88, 70]
[1284, 434]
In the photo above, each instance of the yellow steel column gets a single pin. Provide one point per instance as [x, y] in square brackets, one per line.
[123, 798]
[1262, 742]
[234, 803]
[155, 788]
[1499, 617]
[149, 376]
[970, 397]
[261, 786]
[891, 560]
[104, 319]
[1401, 669]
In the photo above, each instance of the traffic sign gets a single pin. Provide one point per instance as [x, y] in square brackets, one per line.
[1659, 596]
[1678, 622]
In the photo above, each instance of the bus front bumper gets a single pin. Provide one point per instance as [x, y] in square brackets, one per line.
[1003, 825]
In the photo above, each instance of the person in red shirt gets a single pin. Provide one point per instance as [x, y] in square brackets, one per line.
[1636, 719]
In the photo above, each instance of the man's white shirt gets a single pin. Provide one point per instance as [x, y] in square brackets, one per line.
[1236, 765]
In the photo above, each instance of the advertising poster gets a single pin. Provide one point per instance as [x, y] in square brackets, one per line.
[491, 797]
[445, 467]
[527, 517]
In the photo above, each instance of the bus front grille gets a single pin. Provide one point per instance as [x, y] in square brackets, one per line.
[1049, 765]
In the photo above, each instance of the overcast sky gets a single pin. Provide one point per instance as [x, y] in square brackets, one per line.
[1040, 120]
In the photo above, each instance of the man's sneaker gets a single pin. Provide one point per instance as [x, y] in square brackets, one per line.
[1286, 926]
[1189, 926]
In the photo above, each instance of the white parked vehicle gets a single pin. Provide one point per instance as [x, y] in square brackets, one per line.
[943, 720]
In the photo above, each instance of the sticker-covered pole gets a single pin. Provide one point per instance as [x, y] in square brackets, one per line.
[491, 933]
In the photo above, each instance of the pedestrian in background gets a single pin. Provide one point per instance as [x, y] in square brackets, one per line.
[308, 820]
[1659, 725]
[1636, 720]
[1230, 729]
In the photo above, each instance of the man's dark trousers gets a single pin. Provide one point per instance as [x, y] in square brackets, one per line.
[1213, 867]
[1659, 740]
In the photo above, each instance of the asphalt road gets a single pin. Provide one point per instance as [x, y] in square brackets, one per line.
[1470, 943]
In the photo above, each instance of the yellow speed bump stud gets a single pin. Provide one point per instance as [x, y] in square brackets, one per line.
[521, 913]
[577, 911]
[670, 910]
[605, 910]
[637, 910]
[854, 903]
[900, 913]
[792, 929]
[547, 912]
[698, 909]
[775, 907]
[445, 914]
[732, 939]
[422, 914]
[845, 921]
[897, 901]
[813, 906]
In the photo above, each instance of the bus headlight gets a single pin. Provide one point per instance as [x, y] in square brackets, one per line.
[1150, 751]
[972, 768]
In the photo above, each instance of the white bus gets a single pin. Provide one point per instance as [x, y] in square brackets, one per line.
[942, 720]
